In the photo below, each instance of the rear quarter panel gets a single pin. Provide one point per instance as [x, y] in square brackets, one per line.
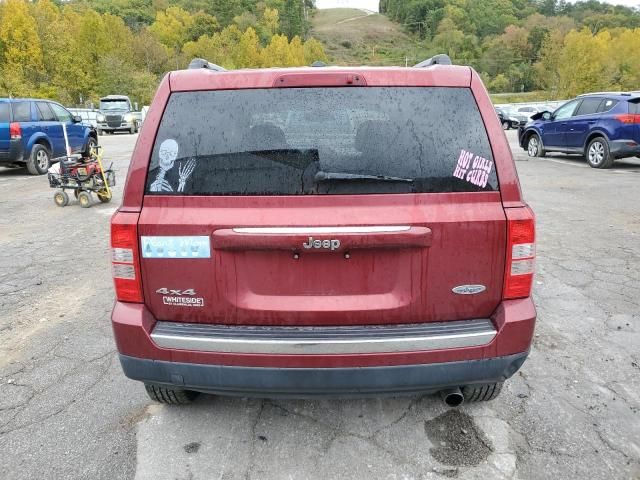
[503, 157]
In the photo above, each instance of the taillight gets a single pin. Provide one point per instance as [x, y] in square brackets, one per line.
[521, 253]
[125, 262]
[15, 131]
[628, 118]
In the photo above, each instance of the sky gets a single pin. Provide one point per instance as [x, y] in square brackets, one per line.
[365, 4]
[373, 4]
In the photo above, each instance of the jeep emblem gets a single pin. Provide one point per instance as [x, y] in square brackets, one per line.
[332, 244]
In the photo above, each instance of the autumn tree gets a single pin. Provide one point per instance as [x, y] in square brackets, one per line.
[22, 63]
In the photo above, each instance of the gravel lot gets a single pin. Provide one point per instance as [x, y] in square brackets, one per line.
[572, 412]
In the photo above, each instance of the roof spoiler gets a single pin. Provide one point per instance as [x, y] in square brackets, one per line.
[202, 63]
[442, 59]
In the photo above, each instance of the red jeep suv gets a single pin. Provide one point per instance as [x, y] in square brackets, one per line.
[323, 231]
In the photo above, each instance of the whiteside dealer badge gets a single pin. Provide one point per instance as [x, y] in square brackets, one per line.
[180, 298]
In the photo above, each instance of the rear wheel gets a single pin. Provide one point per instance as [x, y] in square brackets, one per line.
[39, 160]
[104, 196]
[91, 143]
[61, 198]
[85, 199]
[481, 393]
[534, 146]
[598, 154]
[169, 396]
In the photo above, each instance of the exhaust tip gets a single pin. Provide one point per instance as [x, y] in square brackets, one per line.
[452, 397]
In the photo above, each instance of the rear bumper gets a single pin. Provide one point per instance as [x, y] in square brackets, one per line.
[624, 148]
[135, 326]
[356, 339]
[311, 382]
[14, 154]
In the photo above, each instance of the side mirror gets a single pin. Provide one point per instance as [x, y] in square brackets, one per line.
[547, 115]
[77, 119]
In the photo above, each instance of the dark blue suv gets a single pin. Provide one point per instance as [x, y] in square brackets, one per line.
[31, 133]
[601, 126]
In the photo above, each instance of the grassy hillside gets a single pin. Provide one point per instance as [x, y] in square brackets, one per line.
[354, 37]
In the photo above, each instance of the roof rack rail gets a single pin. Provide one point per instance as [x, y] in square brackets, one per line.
[202, 63]
[442, 59]
[606, 93]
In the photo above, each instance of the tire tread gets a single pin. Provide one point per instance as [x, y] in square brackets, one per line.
[169, 396]
[481, 393]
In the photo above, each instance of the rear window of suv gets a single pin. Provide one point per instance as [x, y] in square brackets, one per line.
[5, 117]
[301, 141]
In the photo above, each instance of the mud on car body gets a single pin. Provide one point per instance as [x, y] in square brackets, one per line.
[322, 231]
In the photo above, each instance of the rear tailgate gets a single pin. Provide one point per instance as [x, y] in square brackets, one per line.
[248, 219]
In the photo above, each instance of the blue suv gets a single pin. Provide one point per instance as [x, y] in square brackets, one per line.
[601, 126]
[31, 133]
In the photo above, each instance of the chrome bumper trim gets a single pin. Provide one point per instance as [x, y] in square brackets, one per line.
[323, 340]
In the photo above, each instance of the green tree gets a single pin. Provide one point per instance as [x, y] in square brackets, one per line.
[202, 24]
[292, 21]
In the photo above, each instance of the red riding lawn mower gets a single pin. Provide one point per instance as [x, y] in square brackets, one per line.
[83, 175]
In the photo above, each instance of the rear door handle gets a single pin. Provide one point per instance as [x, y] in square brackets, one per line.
[321, 239]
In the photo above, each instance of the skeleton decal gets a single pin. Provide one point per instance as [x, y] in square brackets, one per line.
[168, 154]
[184, 172]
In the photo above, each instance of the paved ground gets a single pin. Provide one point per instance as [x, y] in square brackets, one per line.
[66, 411]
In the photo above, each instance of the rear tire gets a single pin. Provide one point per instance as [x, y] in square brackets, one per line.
[39, 160]
[104, 196]
[85, 199]
[534, 146]
[481, 393]
[598, 154]
[61, 198]
[91, 142]
[170, 396]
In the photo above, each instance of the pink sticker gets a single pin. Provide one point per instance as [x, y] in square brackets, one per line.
[473, 169]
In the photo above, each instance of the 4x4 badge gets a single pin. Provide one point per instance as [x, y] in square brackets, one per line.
[468, 289]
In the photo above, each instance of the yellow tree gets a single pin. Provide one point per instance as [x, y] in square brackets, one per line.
[247, 53]
[277, 53]
[270, 21]
[547, 68]
[314, 52]
[586, 63]
[296, 52]
[171, 27]
[626, 53]
[21, 61]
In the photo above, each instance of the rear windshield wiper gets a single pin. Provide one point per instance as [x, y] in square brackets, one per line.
[355, 177]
